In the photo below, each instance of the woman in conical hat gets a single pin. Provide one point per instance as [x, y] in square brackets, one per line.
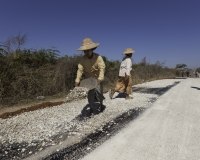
[92, 65]
[124, 82]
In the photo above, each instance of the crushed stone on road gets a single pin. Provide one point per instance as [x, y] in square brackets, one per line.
[31, 132]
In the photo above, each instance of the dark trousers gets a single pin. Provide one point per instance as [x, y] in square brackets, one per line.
[95, 95]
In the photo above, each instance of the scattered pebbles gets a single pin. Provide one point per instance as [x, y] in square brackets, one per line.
[30, 132]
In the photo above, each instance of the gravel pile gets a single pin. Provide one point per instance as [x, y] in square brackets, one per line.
[30, 132]
[76, 94]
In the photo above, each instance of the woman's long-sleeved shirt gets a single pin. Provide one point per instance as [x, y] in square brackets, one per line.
[94, 67]
[125, 67]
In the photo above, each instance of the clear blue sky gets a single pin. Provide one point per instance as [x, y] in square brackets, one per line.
[160, 30]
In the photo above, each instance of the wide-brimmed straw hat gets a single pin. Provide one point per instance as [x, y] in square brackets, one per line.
[87, 43]
[128, 51]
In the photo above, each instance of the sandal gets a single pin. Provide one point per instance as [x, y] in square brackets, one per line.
[101, 108]
[129, 97]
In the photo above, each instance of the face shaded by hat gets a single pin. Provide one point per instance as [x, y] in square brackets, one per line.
[87, 44]
[128, 51]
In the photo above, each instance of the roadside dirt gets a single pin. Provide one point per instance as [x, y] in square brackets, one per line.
[13, 108]
[29, 108]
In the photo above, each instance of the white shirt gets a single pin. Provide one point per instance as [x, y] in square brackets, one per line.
[125, 67]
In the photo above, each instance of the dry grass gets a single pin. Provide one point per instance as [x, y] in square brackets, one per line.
[21, 82]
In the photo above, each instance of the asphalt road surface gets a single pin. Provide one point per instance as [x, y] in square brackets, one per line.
[168, 130]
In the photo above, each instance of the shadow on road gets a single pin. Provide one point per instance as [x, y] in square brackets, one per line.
[121, 95]
[93, 140]
[158, 91]
[85, 113]
[196, 88]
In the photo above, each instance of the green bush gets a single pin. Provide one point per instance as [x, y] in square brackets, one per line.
[30, 73]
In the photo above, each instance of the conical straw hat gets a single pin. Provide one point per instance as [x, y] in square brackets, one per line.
[87, 43]
[128, 51]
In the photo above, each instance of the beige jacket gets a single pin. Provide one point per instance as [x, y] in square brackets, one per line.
[94, 67]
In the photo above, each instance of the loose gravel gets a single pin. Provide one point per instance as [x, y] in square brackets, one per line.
[31, 132]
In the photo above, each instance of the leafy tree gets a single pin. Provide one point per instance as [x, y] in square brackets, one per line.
[110, 64]
[2, 51]
[198, 69]
[181, 66]
[53, 54]
[143, 61]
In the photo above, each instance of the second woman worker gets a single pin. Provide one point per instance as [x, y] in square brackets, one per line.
[124, 82]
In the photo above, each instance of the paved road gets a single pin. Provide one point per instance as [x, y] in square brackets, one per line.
[168, 130]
